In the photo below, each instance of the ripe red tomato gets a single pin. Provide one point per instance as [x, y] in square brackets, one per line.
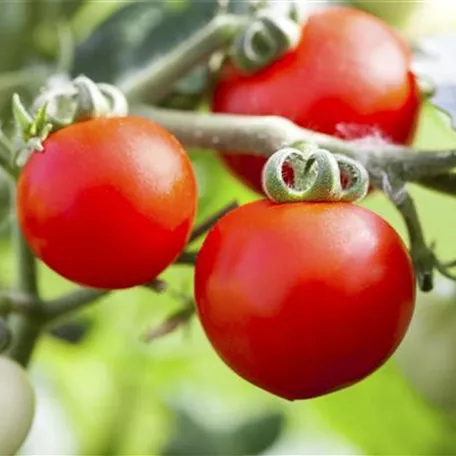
[109, 203]
[349, 77]
[303, 299]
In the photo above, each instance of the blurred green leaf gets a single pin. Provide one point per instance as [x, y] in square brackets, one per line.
[92, 13]
[73, 331]
[70, 7]
[427, 356]
[138, 34]
[190, 91]
[190, 438]
[13, 30]
[257, 435]
[383, 416]
[251, 438]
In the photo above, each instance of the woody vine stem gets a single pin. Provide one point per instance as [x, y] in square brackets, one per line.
[389, 167]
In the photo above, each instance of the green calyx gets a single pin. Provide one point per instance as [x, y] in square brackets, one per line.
[318, 175]
[264, 39]
[32, 130]
[57, 107]
[82, 99]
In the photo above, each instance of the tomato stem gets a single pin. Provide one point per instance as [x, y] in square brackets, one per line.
[171, 324]
[187, 258]
[155, 82]
[5, 335]
[202, 229]
[423, 256]
[71, 302]
[443, 183]
[25, 328]
[77, 299]
[264, 135]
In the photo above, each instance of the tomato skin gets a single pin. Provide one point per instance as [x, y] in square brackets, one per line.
[109, 203]
[300, 304]
[336, 82]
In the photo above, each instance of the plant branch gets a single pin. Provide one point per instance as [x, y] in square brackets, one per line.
[16, 302]
[71, 302]
[157, 81]
[26, 329]
[202, 229]
[264, 135]
[157, 285]
[171, 324]
[422, 255]
[187, 258]
[443, 183]
[82, 297]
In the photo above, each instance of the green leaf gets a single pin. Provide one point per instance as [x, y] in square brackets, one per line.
[251, 438]
[383, 416]
[13, 22]
[190, 438]
[257, 435]
[70, 7]
[137, 35]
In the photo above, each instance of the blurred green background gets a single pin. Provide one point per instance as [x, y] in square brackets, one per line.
[101, 390]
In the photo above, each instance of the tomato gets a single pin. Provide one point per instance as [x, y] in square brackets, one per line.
[349, 77]
[109, 203]
[303, 299]
[17, 406]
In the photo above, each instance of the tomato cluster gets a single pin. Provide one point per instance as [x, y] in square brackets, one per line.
[304, 299]
[300, 299]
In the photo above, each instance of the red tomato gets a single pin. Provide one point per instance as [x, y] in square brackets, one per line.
[109, 203]
[303, 299]
[349, 76]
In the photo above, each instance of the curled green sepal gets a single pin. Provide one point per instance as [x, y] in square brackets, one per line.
[82, 99]
[118, 105]
[318, 175]
[32, 130]
[356, 178]
[264, 40]
[90, 101]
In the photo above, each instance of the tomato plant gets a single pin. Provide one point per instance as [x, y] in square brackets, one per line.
[303, 299]
[17, 403]
[301, 296]
[109, 203]
[336, 82]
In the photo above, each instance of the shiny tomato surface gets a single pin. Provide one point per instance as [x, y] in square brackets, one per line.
[109, 203]
[303, 299]
[349, 77]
